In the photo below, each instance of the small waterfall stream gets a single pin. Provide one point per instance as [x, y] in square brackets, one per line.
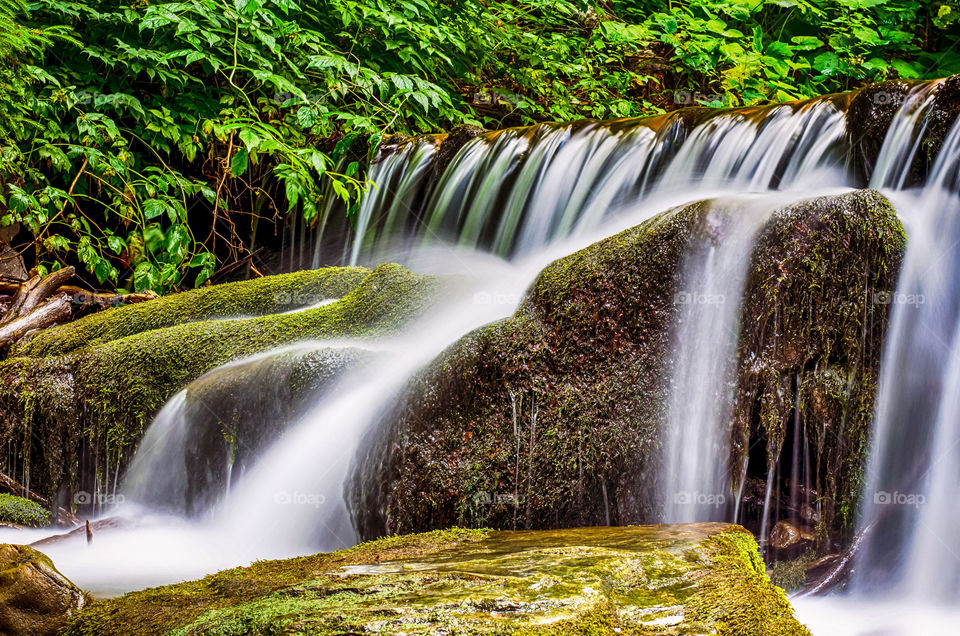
[696, 477]
[912, 481]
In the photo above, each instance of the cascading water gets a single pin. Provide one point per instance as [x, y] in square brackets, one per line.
[913, 539]
[907, 569]
[695, 484]
[518, 190]
[534, 194]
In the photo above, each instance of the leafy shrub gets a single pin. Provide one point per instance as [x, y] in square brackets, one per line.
[157, 141]
[22, 511]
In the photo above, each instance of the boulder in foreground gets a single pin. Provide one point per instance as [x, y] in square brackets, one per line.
[682, 579]
[34, 597]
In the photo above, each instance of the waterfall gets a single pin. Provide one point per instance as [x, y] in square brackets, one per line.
[909, 510]
[500, 208]
[695, 485]
[515, 191]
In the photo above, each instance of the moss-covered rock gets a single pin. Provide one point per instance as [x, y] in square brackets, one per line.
[702, 578]
[22, 512]
[817, 303]
[551, 418]
[543, 419]
[872, 109]
[80, 411]
[34, 597]
[257, 297]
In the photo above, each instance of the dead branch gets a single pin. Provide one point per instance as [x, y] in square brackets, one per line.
[57, 310]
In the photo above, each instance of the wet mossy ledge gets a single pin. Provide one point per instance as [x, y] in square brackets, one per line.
[251, 298]
[74, 401]
[670, 580]
[552, 417]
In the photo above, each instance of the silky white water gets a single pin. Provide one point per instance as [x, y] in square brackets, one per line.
[534, 195]
[906, 575]
[695, 481]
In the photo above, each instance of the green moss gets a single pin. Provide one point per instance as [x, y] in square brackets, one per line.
[22, 511]
[159, 610]
[815, 318]
[257, 297]
[102, 395]
[737, 596]
[649, 579]
[791, 575]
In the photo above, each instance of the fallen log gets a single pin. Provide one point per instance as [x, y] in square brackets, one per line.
[840, 571]
[57, 310]
[14, 487]
[81, 297]
[87, 529]
[34, 291]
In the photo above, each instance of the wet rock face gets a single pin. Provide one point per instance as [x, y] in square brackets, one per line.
[872, 109]
[544, 419]
[551, 418]
[34, 597]
[685, 579]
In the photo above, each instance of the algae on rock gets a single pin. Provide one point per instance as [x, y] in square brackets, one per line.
[551, 418]
[697, 578]
[35, 598]
[83, 408]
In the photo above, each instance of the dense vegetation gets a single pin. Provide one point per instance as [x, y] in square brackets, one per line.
[151, 143]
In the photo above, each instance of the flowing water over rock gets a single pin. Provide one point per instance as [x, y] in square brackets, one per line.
[274, 484]
[696, 479]
[909, 508]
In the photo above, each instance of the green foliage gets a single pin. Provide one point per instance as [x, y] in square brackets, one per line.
[741, 52]
[145, 141]
[22, 511]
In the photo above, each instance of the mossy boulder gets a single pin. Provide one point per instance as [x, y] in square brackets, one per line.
[257, 297]
[818, 301]
[34, 597]
[699, 578]
[72, 415]
[552, 417]
[871, 110]
[22, 512]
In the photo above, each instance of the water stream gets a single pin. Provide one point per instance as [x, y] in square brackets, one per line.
[506, 205]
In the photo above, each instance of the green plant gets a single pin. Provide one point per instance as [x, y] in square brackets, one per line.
[22, 511]
[740, 52]
[160, 141]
